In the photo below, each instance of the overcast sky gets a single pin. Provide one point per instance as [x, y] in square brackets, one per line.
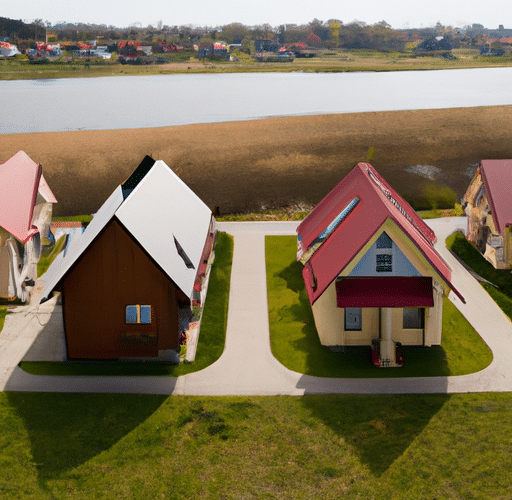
[398, 13]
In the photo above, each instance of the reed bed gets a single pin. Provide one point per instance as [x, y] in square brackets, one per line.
[244, 166]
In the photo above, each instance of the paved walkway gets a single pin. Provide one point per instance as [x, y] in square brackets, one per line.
[247, 366]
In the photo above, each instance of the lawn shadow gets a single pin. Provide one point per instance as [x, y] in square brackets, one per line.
[292, 274]
[67, 430]
[379, 429]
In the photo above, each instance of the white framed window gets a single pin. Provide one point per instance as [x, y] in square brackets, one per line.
[353, 318]
[138, 314]
[414, 318]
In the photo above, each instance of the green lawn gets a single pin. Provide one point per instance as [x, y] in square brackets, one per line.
[48, 255]
[71, 446]
[3, 312]
[296, 345]
[501, 278]
[211, 338]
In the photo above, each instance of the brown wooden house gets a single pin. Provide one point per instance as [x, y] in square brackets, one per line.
[124, 281]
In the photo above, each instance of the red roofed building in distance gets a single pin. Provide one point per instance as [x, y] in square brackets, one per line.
[371, 272]
[488, 207]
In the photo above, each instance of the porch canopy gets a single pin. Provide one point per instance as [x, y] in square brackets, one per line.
[385, 291]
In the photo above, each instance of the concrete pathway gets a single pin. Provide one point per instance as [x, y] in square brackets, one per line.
[247, 366]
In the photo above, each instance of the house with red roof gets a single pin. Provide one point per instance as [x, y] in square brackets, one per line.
[129, 281]
[371, 272]
[25, 217]
[488, 207]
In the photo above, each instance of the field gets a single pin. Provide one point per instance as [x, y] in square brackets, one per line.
[242, 167]
[117, 446]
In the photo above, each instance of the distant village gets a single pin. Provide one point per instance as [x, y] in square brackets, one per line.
[39, 41]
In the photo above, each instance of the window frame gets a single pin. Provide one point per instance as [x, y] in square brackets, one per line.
[420, 318]
[350, 329]
[139, 314]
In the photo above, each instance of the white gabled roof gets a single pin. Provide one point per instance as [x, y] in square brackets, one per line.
[160, 211]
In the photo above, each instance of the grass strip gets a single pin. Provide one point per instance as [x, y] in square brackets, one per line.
[501, 278]
[71, 446]
[3, 313]
[49, 254]
[84, 219]
[295, 343]
[211, 339]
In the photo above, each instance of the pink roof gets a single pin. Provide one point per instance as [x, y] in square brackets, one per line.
[378, 201]
[45, 191]
[497, 178]
[20, 180]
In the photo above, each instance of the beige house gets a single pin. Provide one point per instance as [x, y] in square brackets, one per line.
[370, 269]
[488, 205]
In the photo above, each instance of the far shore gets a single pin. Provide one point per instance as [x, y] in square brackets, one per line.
[252, 165]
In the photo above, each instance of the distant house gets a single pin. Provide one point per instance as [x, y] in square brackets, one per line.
[205, 49]
[208, 49]
[371, 272]
[136, 270]
[434, 44]
[25, 217]
[490, 51]
[265, 46]
[145, 50]
[8, 50]
[488, 206]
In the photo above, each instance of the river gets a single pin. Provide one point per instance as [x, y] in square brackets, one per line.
[166, 100]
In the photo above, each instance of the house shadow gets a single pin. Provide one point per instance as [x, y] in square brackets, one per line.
[360, 403]
[377, 428]
[67, 430]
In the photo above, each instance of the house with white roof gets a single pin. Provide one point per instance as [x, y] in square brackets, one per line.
[141, 261]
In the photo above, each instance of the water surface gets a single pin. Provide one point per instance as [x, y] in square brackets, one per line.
[165, 100]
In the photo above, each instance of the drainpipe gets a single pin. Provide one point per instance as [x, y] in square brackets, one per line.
[387, 346]
[22, 269]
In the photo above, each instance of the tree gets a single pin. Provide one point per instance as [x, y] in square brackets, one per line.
[334, 27]
[234, 32]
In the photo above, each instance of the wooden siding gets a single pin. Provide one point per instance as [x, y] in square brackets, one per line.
[113, 273]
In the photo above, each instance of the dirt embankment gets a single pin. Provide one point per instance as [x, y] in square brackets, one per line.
[243, 166]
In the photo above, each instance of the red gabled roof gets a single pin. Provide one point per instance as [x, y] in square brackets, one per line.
[497, 178]
[378, 201]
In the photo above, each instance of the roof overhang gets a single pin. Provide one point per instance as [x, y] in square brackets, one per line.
[385, 291]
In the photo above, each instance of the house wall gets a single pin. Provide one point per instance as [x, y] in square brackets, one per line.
[330, 323]
[507, 246]
[4, 264]
[481, 227]
[115, 272]
[330, 319]
[4, 271]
